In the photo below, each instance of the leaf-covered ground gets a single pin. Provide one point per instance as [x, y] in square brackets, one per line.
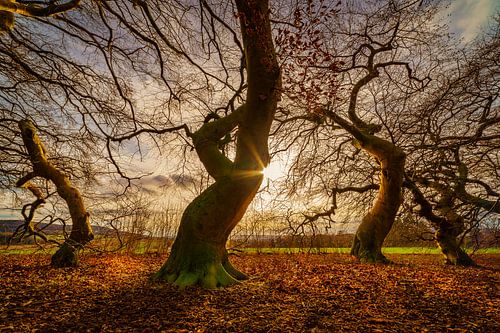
[287, 293]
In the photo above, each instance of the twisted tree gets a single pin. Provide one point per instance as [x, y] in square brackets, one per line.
[372, 51]
[44, 91]
[454, 150]
[199, 255]
[153, 68]
[81, 231]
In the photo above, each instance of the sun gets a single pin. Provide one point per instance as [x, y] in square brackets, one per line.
[273, 171]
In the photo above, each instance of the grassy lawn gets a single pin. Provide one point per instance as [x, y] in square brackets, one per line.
[388, 250]
[31, 249]
[25, 249]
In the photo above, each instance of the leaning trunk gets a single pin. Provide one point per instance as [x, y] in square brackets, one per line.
[81, 234]
[451, 249]
[81, 231]
[375, 226]
[447, 233]
[199, 255]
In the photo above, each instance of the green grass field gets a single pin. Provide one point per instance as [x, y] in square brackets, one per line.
[387, 250]
[266, 250]
[27, 250]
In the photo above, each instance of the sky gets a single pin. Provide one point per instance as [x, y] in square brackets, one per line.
[468, 16]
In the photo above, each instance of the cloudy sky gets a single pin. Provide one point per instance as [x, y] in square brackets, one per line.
[468, 16]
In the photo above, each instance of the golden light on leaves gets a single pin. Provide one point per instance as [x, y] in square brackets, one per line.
[420, 296]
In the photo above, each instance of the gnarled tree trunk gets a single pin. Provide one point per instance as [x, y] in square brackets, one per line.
[81, 231]
[447, 233]
[375, 226]
[446, 237]
[448, 225]
[199, 254]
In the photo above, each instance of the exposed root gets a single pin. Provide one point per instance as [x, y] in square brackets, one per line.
[369, 255]
[373, 258]
[65, 256]
[213, 276]
[234, 272]
[454, 254]
[459, 258]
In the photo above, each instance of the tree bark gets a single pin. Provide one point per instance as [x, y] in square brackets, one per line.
[10, 7]
[375, 226]
[447, 234]
[448, 225]
[450, 247]
[81, 230]
[199, 255]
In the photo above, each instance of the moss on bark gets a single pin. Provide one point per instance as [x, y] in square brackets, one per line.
[199, 256]
[204, 264]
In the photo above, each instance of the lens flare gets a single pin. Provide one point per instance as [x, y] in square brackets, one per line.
[273, 171]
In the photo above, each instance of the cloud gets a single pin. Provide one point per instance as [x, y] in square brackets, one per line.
[157, 184]
[182, 180]
[149, 184]
[468, 16]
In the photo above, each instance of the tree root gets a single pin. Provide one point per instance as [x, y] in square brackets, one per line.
[368, 255]
[373, 258]
[65, 256]
[213, 276]
[457, 257]
[234, 272]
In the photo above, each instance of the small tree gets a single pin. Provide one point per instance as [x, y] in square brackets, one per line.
[81, 231]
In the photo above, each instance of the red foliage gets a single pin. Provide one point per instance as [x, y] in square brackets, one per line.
[319, 293]
[304, 55]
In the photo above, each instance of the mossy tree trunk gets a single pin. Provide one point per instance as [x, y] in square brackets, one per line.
[199, 255]
[81, 231]
[377, 223]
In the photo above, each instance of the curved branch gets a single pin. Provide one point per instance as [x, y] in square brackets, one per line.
[152, 131]
[464, 196]
[36, 10]
[425, 206]
[81, 231]
[206, 142]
